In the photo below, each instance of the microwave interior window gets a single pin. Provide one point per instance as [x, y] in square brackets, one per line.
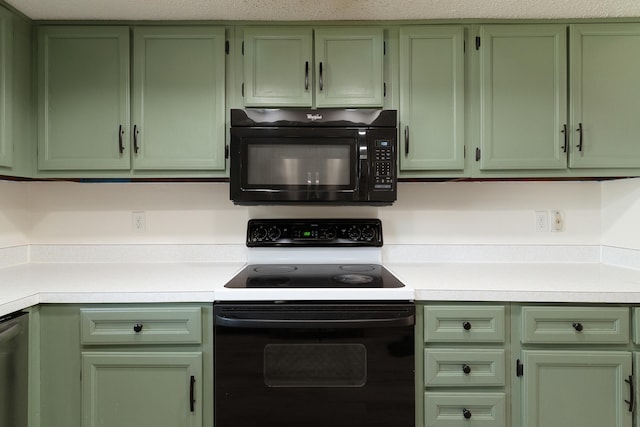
[300, 164]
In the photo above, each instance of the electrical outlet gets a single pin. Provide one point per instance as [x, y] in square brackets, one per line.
[139, 221]
[542, 221]
[557, 221]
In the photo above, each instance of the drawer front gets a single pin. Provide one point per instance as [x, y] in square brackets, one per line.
[140, 326]
[464, 367]
[575, 325]
[462, 323]
[465, 409]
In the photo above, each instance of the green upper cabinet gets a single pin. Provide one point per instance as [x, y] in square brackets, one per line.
[178, 102]
[284, 67]
[349, 67]
[523, 97]
[278, 67]
[83, 98]
[6, 142]
[432, 99]
[605, 95]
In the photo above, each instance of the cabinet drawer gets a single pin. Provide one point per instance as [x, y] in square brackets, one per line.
[469, 409]
[463, 367]
[460, 323]
[139, 326]
[575, 325]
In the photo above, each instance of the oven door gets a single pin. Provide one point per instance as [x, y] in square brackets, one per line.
[297, 165]
[314, 365]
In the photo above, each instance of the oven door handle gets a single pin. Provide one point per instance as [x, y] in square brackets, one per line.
[236, 322]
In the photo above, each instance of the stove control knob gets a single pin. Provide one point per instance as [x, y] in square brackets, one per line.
[330, 233]
[354, 233]
[368, 234]
[274, 233]
[259, 234]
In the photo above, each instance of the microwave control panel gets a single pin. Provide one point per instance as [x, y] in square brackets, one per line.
[383, 164]
[314, 232]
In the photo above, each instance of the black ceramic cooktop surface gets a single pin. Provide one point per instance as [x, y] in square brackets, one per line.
[314, 276]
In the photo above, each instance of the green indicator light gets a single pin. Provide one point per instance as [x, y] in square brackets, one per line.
[307, 234]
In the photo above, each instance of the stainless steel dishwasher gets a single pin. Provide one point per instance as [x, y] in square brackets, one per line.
[14, 354]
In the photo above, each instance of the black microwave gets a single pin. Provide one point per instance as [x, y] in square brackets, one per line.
[303, 156]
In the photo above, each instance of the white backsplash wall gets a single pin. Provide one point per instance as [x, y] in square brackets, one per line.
[621, 213]
[14, 220]
[484, 213]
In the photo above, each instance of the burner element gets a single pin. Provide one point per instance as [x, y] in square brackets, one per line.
[353, 279]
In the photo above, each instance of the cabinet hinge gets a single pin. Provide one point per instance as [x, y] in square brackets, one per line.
[384, 48]
[243, 48]
[464, 152]
[464, 45]
[226, 151]
[242, 90]
[519, 368]
[384, 89]
[226, 47]
[478, 154]
[478, 43]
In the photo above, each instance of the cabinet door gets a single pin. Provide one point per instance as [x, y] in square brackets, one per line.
[348, 67]
[178, 98]
[432, 98]
[605, 95]
[278, 67]
[576, 388]
[132, 389]
[6, 141]
[83, 98]
[523, 92]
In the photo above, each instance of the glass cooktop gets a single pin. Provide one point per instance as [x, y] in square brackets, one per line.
[314, 276]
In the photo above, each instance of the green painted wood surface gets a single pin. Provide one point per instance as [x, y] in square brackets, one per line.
[352, 67]
[605, 95]
[6, 92]
[83, 97]
[278, 67]
[133, 389]
[447, 409]
[432, 98]
[178, 99]
[523, 90]
[443, 367]
[159, 325]
[600, 325]
[445, 324]
[576, 388]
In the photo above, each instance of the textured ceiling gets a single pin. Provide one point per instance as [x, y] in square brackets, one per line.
[302, 10]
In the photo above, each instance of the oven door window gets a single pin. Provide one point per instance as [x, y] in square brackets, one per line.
[299, 164]
[315, 365]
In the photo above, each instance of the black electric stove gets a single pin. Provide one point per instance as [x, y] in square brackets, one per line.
[354, 234]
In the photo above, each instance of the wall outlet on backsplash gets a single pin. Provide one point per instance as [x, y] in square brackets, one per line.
[557, 221]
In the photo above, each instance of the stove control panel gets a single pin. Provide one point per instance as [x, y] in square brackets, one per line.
[314, 232]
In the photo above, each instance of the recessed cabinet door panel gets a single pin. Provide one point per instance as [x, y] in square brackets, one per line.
[349, 67]
[133, 389]
[278, 68]
[432, 98]
[605, 95]
[178, 98]
[523, 97]
[83, 98]
[6, 141]
[576, 388]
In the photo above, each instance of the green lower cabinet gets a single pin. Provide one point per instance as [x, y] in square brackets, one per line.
[133, 389]
[576, 388]
[465, 409]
